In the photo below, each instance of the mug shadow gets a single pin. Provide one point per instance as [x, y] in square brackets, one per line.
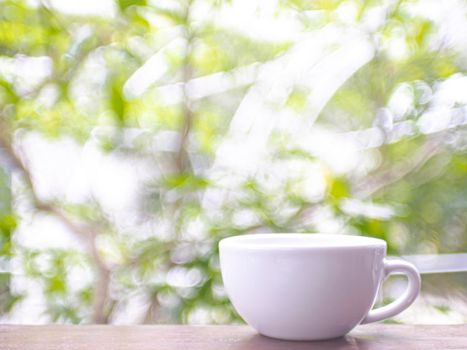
[260, 342]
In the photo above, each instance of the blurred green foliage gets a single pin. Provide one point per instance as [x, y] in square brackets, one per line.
[421, 176]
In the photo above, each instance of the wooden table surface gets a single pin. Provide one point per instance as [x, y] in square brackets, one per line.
[369, 337]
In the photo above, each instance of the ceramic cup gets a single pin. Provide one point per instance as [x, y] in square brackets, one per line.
[310, 286]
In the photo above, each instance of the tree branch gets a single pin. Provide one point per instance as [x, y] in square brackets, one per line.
[182, 162]
[86, 233]
[372, 184]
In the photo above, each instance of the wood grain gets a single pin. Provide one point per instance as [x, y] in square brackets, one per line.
[368, 337]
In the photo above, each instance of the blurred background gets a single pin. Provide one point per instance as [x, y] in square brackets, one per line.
[135, 134]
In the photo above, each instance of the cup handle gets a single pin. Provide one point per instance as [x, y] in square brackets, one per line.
[405, 300]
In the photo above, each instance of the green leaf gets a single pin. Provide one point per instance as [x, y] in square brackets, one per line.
[297, 100]
[56, 285]
[339, 188]
[124, 4]
[118, 102]
[185, 182]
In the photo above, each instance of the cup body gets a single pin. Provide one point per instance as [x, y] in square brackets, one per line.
[302, 286]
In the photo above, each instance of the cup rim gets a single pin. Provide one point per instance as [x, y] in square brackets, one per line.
[299, 241]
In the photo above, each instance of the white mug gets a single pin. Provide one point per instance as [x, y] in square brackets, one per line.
[310, 286]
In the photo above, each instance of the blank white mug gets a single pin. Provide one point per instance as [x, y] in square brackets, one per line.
[310, 286]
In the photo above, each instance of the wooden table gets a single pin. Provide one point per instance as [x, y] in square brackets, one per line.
[369, 337]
